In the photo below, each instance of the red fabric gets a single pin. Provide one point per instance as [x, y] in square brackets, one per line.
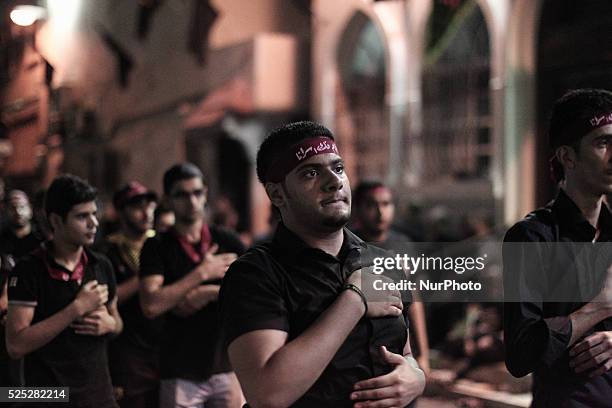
[62, 274]
[196, 256]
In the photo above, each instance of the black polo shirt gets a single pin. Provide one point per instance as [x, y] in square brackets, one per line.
[537, 334]
[286, 285]
[70, 359]
[190, 346]
[134, 354]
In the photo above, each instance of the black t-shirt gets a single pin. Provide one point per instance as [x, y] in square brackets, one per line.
[286, 285]
[190, 346]
[537, 334]
[70, 359]
[13, 248]
[133, 355]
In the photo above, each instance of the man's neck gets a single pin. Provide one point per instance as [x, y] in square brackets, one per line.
[22, 230]
[191, 231]
[136, 237]
[329, 242]
[589, 204]
[66, 254]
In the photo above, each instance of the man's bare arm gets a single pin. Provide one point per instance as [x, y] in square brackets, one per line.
[127, 289]
[266, 365]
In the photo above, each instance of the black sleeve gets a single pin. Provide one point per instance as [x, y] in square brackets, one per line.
[227, 240]
[531, 340]
[110, 274]
[151, 261]
[251, 299]
[23, 284]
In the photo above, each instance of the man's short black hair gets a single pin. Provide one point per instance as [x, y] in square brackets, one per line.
[179, 172]
[576, 105]
[65, 192]
[364, 187]
[279, 140]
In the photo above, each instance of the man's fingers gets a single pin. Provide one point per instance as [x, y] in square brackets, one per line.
[383, 403]
[604, 368]
[373, 394]
[213, 249]
[376, 382]
[391, 358]
[587, 343]
[90, 285]
[586, 355]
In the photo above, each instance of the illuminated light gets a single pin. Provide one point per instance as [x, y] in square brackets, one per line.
[64, 14]
[26, 15]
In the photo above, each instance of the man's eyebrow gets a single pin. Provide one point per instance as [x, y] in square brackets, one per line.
[318, 165]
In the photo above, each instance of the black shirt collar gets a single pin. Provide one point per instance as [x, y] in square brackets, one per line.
[572, 219]
[290, 244]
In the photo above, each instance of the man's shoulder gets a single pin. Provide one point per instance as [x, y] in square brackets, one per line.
[538, 225]
[260, 259]
[226, 239]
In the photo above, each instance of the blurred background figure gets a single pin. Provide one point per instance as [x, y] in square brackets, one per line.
[163, 218]
[133, 355]
[373, 215]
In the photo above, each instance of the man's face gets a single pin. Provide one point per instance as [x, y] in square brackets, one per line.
[317, 193]
[19, 210]
[377, 210]
[80, 225]
[187, 199]
[138, 215]
[594, 161]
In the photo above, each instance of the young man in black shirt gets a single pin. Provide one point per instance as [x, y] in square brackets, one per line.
[133, 355]
[62, 302]
[567, 345]
[181, 271]
[300, 330]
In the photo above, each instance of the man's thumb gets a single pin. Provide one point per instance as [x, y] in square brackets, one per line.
[389, 357]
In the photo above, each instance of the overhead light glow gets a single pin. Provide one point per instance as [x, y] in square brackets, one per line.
[24, 15]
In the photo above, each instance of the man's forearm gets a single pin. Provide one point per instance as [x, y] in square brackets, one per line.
[167, 297]
[127, 289]
[35, 336]
[278, 383]
[586, 318]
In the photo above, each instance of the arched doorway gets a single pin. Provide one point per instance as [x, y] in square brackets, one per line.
[456, 101]
[361, 110]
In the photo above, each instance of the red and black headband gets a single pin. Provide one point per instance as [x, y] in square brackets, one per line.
[297, 154]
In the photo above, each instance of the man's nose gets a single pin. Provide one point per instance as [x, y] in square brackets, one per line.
[333, 181]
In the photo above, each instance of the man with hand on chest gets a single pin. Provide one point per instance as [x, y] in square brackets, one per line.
[62, 303]
[303, 325]
[181, 271]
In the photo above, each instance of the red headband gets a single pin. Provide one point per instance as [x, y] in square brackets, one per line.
[297, 153]
[583, 127]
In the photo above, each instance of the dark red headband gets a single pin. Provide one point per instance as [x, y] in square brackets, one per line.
[580, 128]
[297, 154]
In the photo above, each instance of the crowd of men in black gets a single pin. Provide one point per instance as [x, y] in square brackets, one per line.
[171, 311]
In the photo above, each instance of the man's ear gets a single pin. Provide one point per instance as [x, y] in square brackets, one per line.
[566, 156]
[275, 194]
[55, 220]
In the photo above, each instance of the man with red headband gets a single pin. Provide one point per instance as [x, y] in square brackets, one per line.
[563, 339]
[301, 321]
